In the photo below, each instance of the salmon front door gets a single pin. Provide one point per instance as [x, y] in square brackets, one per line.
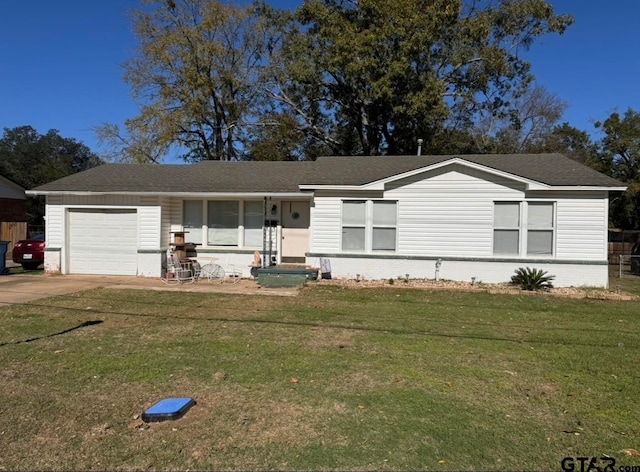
[295, 230]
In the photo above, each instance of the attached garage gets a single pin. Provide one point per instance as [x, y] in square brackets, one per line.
[102, 241]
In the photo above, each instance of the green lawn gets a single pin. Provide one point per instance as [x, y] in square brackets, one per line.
[623, 281]
[387, 378]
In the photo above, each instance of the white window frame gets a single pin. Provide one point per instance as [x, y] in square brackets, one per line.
[368, 226]
[223, 232]
[204, 242]
[532, 228]
[524, 228]
[508, 228]
[188, 228]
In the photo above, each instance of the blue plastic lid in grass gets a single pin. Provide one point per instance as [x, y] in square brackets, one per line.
[168, 409]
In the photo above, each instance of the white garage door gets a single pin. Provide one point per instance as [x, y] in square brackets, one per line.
[103, 242]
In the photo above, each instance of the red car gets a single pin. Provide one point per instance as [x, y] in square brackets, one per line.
[29, 252]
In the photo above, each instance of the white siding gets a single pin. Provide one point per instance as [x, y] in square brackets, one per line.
[54, 230]
[149, 223]
[327, 231]
[440, 213]
[173, 220]
[449, 212]
[581, 227]
[54, 222]
[166, 205]
[566, 275]
[101, 200]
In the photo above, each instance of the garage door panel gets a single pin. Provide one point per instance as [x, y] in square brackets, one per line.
[103, 242]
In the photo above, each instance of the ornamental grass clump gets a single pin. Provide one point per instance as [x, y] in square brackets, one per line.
[532, 279]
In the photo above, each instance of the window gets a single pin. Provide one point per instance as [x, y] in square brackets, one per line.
[253, 216]
[224, 222]
[222, 219]
[369, 225]
[510, 232]
[540, 229]
[353, 225]
[384, 226]
[192, 220]
[506, 228]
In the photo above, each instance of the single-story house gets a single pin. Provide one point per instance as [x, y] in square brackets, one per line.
[467, 216]
[13, 201]
[13, 213]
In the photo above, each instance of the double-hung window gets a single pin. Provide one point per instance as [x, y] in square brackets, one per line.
[369, 225]
[354, 225]
[192, 220]
[528, 225]
[540, 229]
[222, 219]
[383, 236]
[506, 228]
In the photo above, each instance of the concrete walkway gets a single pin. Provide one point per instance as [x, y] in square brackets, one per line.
[21, 288]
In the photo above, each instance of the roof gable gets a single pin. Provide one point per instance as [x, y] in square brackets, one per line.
[382, 183]
[538, 171]
[11, 190]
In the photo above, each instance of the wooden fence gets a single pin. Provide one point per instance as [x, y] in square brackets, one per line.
[620, 243]
[13, 232]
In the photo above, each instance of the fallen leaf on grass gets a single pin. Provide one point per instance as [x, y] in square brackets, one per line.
[630, 452]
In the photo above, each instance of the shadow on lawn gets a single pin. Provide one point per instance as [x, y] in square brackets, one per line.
[81, 325]
[571, 340]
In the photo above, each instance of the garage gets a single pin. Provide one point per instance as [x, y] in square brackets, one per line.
[102, 242]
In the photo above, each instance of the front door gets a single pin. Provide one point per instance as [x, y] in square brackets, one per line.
[295, 230]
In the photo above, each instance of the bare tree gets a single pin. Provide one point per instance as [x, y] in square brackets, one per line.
[520, 124]
[196, 78]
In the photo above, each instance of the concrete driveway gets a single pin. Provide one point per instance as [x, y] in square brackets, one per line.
[22, 288]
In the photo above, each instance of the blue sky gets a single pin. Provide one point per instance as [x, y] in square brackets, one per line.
[61, 63]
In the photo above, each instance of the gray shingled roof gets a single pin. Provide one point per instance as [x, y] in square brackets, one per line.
[278, 177]
[270, 177]
[550, 169]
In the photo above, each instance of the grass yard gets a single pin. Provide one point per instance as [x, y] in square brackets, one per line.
[623, 280]
[336, 378]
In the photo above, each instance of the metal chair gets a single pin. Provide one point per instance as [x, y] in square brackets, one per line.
[231, 271]
[178, 272]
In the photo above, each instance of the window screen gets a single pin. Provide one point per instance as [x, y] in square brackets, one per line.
[192, 220]
[353, 225]
[506, 224]
[384, 226]
[253, 216]
[223, 223]
[540, 229]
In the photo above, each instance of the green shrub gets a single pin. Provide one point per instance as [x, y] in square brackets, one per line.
[532, 279]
